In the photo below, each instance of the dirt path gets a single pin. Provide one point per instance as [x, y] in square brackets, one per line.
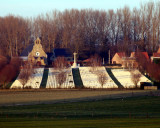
[29, 97]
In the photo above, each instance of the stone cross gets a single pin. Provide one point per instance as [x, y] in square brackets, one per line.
[75, 61]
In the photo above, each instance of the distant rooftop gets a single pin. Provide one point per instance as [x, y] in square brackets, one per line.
[121, 54]
[27, 50]
[62, 52]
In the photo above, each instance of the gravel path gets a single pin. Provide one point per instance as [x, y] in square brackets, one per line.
[30, 97]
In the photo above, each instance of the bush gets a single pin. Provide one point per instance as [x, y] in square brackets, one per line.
[102, 78]
[135, 77]
[9, 71]
[28, 87]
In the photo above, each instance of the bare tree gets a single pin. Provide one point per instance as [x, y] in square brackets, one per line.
[6, 75]
[148, 67]
[61, 65]
[61, 77]
[102, 78]
[142, 62]
[95, 62]
[25, 73]
[153, 70]
[13, 30]
[89, 30]
[135, 77]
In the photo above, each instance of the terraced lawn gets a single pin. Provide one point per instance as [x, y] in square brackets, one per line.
[114, 78]
[77, 78]
[44, 78]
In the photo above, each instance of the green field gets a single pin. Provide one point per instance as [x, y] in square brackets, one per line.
[89, 123]
[135, 112]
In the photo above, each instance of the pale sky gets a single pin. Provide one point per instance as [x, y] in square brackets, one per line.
[28, 8]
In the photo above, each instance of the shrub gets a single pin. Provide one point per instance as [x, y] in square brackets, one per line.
[102, 78]
[25, 73]
[28, 87]
[135, 77]
[61, 78]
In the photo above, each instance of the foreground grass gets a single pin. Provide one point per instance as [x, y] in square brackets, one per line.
[88, 123]
[134, 112]
[109, 108]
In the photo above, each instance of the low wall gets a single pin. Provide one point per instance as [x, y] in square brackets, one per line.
[150, 88]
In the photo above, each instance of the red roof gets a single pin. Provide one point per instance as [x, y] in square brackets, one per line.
[132, 54]
[121, 54]
[146, 55]
[143, 53]
[158, 50]
[87, 60]
[156, 54]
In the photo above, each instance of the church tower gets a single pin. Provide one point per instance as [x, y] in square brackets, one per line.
[37, 56]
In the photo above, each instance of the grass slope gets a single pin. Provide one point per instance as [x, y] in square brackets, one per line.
[149, 78]
[77, 78]
[134, 112]
[10, 83]
[44, 78]
[114, 78]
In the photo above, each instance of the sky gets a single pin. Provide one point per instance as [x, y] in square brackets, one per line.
[32, 8]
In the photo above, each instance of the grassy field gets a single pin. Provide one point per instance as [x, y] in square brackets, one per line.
[131, 112]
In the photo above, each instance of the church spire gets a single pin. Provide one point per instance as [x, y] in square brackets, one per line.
[37, 41]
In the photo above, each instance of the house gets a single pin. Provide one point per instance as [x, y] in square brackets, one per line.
[131, 62]
[34, 53]
[127, 62]
[156, 57]
[86, 62]
[117, 58]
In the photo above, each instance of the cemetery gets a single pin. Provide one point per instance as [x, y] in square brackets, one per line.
[61, 69]
[50, 77]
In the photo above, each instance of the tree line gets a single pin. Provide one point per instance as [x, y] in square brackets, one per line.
[85, 31]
